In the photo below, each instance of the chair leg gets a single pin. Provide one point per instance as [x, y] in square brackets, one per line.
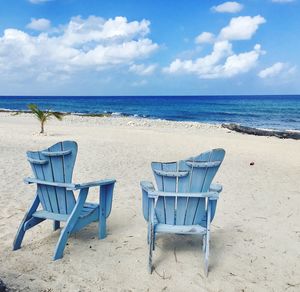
[60, 246]
[65, 233]
[102, 221]
[151, 244]
[207, 237]
[150, 268]
[21, 231]
[56, 225]
[20, 234]
[153, 241]
[206, 256]
[102, 228]
[102, 213]
[203, 243]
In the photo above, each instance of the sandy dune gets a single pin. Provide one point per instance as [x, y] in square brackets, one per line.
[255, 243]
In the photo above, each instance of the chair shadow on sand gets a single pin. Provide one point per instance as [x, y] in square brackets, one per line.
[178, 247]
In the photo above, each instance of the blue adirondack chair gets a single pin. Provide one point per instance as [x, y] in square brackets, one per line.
[185, 199]
[53, 169]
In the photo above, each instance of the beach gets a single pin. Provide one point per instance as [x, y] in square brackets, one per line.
[255, 236]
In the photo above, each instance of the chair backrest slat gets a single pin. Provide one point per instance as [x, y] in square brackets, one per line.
[197, 177]
[48, 176]
[69, 161]
[160, 205]
[170, 186]
[38, 173]
[183, 187]
[55, 164]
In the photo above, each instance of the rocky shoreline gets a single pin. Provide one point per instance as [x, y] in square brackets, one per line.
[263, 132]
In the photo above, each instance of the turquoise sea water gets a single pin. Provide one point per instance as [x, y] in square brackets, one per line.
[273, 112]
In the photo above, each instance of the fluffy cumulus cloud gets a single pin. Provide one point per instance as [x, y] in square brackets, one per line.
[241, 63]
[40, 24]
[277, 69]
[205, 65]
[228, 7]
[205, 37]
[83, 44]
[96, 29]
[241, 28]
[222, 62]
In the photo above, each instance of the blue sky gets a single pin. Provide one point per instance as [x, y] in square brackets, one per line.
[135, 47]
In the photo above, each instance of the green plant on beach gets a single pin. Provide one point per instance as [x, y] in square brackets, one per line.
[44, 116]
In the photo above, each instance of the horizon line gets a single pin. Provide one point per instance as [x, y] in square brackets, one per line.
[189, 95]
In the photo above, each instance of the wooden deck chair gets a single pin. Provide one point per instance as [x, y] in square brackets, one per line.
[185, 199]
[53, 169]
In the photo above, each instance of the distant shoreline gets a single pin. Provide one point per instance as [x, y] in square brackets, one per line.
[284, 134]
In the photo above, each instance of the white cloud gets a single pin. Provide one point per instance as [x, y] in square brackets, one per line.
[228, 7]
[241, 28]
[38, 1]
[96, 29]
[204, 65]
[143, 70]
[40, 24]
[283, 1]
[205, 37]
[241, 63]
[276, 69]
[221, 63]
[83, 44]
[272, 70]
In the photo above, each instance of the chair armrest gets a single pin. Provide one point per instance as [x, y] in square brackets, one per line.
[103, 182]
[209, 195]
[215, 188]
[30, 180]
[69, 186]
[147, 186]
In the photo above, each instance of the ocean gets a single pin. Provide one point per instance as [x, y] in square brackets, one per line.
[278, 112]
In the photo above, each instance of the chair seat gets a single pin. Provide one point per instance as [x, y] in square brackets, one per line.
[87, 209]
[180, 229]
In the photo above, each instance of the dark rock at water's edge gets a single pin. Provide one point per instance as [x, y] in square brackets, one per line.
[259, 132]
[3, 288]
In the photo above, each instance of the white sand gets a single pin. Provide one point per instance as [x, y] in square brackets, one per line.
[255, 244]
